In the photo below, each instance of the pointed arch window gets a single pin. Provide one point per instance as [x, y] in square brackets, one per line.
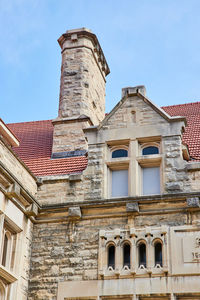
[5, 249]
[142, 254]
[158, 253]
[2, 291]
[111, 256]
[126, 255]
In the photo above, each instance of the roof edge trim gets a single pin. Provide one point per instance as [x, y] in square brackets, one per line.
[8, 134]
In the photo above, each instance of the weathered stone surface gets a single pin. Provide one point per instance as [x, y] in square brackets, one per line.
[82, 91]
[74, 212]
[193, 202]
[174, 186]
[132, 207]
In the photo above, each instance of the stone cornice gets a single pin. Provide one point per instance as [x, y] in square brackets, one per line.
[83, 32]
[72, 120]
[106, 208]
[12, 188]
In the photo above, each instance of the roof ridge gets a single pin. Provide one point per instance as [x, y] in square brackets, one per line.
[184, 104]
[29, 122]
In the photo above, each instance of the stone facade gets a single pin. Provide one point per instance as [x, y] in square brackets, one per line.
[17, 190]
[103, 234]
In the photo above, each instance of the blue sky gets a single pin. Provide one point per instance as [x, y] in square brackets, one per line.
[150, 42]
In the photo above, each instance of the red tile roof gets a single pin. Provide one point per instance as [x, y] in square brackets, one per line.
[35, 150]
[36, 142]
[191, 135]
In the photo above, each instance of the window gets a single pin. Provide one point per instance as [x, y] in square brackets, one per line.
[118, 171]
[111, 256]
[126, 255]
[126, 252]
[5, 249]
[119, 153]
[158, 253]
[151, 180]
[9, 239]
[142, 254]
[134, 167]
[2, 291]
[150, 150]
[119, 183]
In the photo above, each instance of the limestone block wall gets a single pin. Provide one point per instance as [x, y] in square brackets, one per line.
[94, 175]
[194, 180]
[82, 89]
[59, 191]
[55, 258]
[66, 252]
[69, 136]
[176, 176]
[13, 165]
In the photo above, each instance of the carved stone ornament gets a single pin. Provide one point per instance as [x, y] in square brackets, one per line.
[193, 202]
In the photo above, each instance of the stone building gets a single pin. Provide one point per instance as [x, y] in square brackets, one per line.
[96, 206]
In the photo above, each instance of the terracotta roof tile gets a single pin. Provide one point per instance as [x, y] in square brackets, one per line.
[36, 142]
[191, 135]
[35, 150]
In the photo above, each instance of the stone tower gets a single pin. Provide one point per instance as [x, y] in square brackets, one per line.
[82, 89]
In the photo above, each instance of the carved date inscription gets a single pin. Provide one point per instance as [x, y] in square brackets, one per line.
[191, 249]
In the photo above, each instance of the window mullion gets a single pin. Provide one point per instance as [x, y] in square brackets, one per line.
[1, 235]
[133, 174]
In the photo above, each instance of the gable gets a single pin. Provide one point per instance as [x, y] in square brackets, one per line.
[133, 111]
[136, 117]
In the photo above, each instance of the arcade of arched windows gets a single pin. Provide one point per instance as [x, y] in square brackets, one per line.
[124, 253]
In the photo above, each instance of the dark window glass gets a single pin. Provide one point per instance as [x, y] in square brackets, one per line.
[142, 255]
[119, 153]
[126, 255]
[158, 254]
[5, 247]
[150, 150]
[111, 256]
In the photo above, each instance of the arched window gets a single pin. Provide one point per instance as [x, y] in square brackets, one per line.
[2, 291]
[142, 254]
[111, 256]
[150, 150]
[119, 153]
[126, 255]
[158, 253]
[5, 250]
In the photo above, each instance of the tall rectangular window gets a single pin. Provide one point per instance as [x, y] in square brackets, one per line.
[119, 183]
[151, 181]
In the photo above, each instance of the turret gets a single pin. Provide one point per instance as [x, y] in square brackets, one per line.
[82, 89]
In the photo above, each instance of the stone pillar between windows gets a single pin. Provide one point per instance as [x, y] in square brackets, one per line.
[149, 254]
[117, 255]
[165, 251]
[133, 168]
[133, 252]
[172, 297]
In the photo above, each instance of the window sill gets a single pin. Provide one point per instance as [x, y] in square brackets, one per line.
[118, 163]
[149, 160]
